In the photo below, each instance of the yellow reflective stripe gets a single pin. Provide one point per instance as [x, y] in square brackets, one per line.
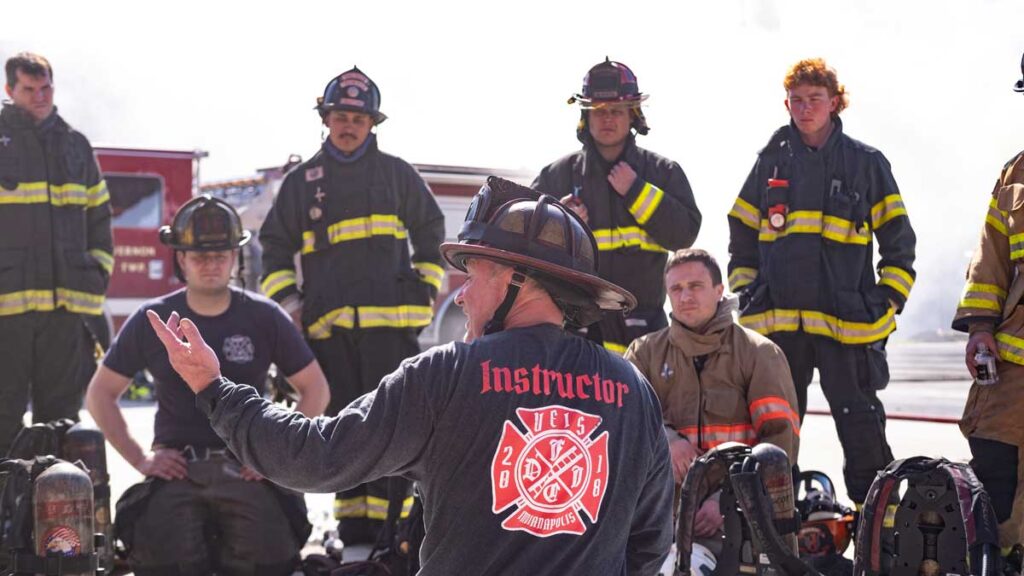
[844, 231]
[980, 303]
[308, 242]
[69, 195]
[615, 347]
[277, 281]
[798, 222]
[997, 218]
[395, 316]
[615, 238]
[775, 320]
[98, 195]
[846, 331]
[24, 193]
[80, 302]
[815, 222]
[813, 322]
[896, 278]
[404, 316]
[350, 507]
[430, 273]
[886, 209]
[646, 203]
[741, 276]
[105, 259]
[982, 296]
[1016, 246]
[746, 213]
[25, 301]
[360, 228]
[341, 317]
[376, 508]
[1011, 348]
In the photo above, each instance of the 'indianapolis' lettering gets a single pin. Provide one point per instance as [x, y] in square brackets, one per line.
[542, 382]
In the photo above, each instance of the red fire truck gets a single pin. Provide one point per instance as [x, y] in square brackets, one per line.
[148, 186]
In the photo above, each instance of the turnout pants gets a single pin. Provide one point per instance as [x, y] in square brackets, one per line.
[354, 362]
[41, 354]
[850, 378]
[214, 521]
[994, 428]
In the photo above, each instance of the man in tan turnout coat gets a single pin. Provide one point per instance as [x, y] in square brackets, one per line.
[717, 381]
[990, 311]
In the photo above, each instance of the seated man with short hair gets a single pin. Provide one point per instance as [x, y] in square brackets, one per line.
[717, 381]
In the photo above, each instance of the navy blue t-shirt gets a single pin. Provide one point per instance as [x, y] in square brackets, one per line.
[250, 335]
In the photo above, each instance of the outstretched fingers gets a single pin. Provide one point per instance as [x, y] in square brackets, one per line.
[169, 332]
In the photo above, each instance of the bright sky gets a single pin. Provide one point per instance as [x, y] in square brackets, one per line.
[478, 84]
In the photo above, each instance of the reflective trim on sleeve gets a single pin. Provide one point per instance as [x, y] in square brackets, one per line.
[97, 195]
[277, 281]
[344, 317]
[886, 209]
[646, 203]
[1011, 348]
[105, 259]
[746, 213]
[982, 296]
[896, 278]
[773, 408]
[741, 276]
[997, 219]
[1016, 246]
[430, 273]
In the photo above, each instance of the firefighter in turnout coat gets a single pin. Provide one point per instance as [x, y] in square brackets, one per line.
[351, 212]
[801, 247]
[717, 381]
[638, 204]
[990, 310]
[56, 251]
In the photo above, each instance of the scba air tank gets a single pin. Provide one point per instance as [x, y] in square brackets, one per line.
[63, 501]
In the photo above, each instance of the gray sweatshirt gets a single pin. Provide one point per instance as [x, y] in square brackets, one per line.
[536, 452]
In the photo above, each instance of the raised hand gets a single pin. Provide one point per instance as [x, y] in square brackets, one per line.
[621, 178]
[191, 358]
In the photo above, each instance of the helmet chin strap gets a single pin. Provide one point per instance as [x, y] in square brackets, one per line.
[497, 323]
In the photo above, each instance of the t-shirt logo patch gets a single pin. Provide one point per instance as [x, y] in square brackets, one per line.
[551, 472]
[238, 349]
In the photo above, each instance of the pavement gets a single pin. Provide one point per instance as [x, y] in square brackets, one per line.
[927, 380]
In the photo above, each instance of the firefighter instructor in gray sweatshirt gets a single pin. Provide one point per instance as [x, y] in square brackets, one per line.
[536, 451]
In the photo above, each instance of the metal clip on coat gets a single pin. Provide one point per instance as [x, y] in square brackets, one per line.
[944, 523]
